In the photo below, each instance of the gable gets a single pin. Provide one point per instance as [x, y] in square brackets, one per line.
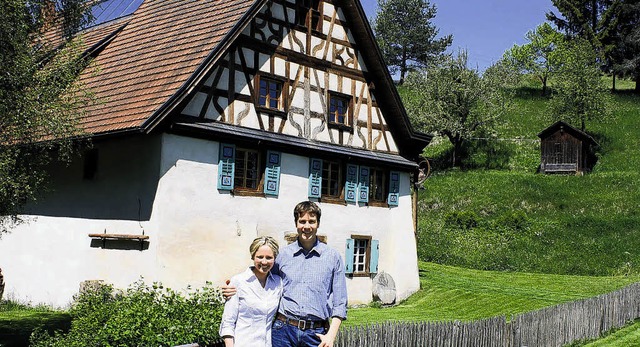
[205, 60]
[314, 58]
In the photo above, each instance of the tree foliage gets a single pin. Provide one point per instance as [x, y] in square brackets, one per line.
[580, 94]
[39, 100]
[539, 57]
[406, 35]
[610, 26]
[457, 102]
[625, 45]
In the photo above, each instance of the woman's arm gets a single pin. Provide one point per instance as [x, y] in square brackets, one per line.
[229, 319]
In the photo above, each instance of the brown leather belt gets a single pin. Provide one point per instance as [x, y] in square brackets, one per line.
[303, 324]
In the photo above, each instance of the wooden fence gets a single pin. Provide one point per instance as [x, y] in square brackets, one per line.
[549, 327]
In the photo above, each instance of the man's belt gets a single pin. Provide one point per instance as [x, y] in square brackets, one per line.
[303, 324]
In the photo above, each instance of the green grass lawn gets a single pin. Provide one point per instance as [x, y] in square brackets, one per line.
[450, 293]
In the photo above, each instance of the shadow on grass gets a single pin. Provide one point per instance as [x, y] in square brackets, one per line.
[476, 154]
[16, 326]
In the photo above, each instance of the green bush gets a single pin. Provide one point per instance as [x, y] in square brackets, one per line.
[141, 316]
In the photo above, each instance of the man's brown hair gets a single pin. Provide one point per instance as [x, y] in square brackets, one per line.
[309, 207]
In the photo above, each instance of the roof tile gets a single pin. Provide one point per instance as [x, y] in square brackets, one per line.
[160, 48]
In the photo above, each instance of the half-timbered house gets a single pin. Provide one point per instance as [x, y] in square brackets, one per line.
[214, 118]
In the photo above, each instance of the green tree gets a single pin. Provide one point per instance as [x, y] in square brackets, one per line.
[625, 45]
[588, 19]
[538, 57]
[580, 94]
[597, 21]
[406, 35]
[457, 102]
[38, 97]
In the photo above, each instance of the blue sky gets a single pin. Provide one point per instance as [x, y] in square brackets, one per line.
[485, 28]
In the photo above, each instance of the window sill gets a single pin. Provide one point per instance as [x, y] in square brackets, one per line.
[330, 200]
[340, 126]
[377, 204]
[361, 274]
[272, 111]
[242, 192]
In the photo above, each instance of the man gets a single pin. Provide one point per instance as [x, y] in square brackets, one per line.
[314, 299]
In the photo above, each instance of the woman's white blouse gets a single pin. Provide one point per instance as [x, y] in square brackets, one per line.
[248, 314]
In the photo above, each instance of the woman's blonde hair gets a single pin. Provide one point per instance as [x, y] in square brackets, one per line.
[261, 241]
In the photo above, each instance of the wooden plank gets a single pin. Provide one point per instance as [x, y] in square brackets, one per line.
[120, 236]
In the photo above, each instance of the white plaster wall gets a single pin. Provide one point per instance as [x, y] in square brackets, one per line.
[45, 259]
[197, 233]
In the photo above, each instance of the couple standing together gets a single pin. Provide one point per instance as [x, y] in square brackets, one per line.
[303, 285]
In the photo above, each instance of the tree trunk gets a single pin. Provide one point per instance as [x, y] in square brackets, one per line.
[637, 90]
[544, 86]
[613, 87]
[1, 284]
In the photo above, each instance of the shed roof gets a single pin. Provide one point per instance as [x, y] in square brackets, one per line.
[561, 125]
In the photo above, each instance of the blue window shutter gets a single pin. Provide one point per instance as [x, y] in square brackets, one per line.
[363, 185]
[272, 173]
[394, 188]
[351, 184]
[348, 256]
[373, 261]
[226, 166]
[315, 177]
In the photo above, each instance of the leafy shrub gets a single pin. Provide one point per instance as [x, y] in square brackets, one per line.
[141, 316]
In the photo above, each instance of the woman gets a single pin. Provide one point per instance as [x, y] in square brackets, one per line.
[247, 317]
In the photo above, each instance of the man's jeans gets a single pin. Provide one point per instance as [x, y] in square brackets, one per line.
[286, 335]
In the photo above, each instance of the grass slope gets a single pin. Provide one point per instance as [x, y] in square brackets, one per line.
[499, 214]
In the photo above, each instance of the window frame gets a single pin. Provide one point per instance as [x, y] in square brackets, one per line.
[282, 100]
[348, 116]
[367, 255]
[373, 171]
[260, 169]
[325, 197]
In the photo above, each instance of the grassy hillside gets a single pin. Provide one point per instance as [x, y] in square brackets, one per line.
[450, 293]
[499, 214]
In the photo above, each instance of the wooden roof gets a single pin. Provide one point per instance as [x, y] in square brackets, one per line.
[566, 127]
[151, 60]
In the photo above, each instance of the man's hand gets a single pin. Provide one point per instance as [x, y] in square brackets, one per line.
[329, 338]
[326, 341]
[228, 291]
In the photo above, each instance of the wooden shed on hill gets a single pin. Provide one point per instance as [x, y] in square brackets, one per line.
[565, 149]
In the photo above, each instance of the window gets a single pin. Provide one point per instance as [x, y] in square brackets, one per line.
[361, 256]
[339, 110]
[243, 171]
[306, 8]
[248, 169]
[90, 164]
[377, 185]
[270, 94]
[331, 179]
